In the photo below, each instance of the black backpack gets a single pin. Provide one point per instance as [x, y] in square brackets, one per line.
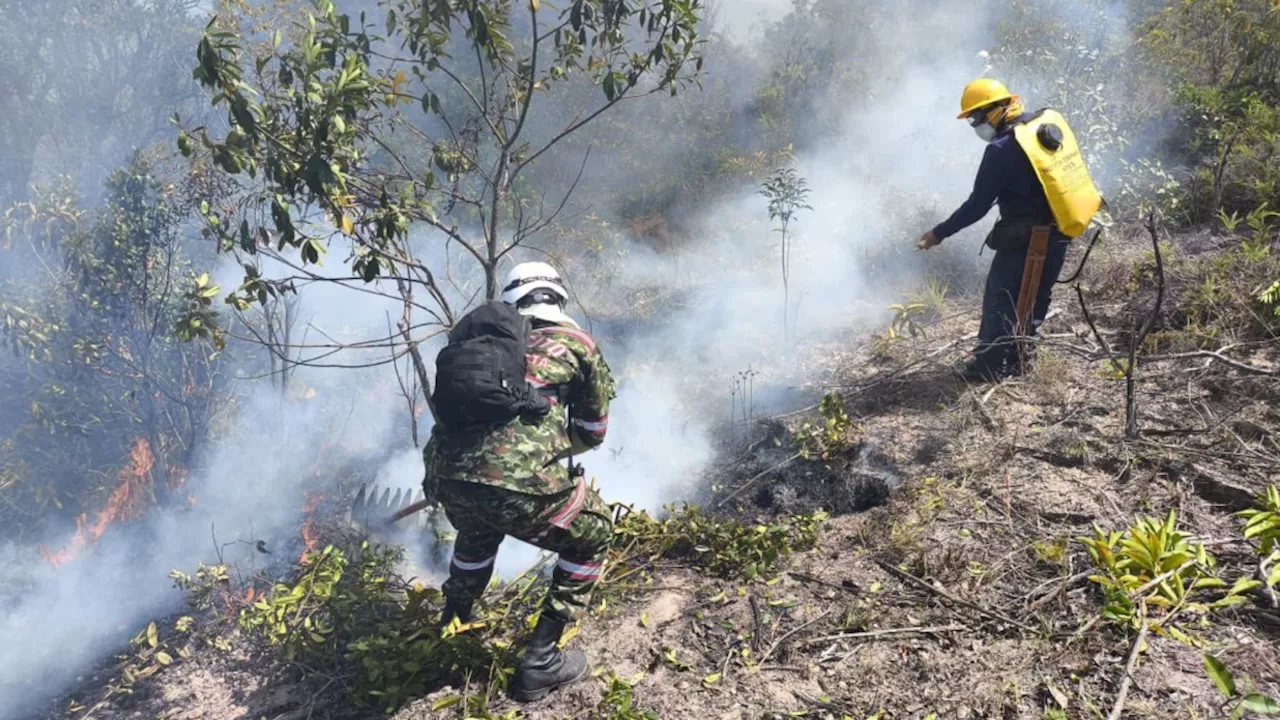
[480, 374]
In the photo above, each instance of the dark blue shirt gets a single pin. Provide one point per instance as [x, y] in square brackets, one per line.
[1005, 177]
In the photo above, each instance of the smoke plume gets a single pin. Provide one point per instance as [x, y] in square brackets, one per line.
[882, 167]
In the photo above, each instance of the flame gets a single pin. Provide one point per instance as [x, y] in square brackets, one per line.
[310, 538]
[127, 502]
[177, 476]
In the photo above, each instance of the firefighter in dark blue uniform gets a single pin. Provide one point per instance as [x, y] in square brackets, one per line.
[1006, 178]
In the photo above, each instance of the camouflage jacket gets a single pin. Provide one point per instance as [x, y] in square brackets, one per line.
[523, 455]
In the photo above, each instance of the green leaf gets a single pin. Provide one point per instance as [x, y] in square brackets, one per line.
[712, 679]
[164, 658]
[1220, 675]
[311, 251]
[447, 701]
[1261, 704]
[1244, 585]
[153, 635]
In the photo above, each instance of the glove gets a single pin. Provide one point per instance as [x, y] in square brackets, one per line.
[928, 240]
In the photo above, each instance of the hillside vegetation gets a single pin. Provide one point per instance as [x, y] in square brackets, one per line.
[216, 338]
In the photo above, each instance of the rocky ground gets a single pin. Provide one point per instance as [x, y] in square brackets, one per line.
[950, 581]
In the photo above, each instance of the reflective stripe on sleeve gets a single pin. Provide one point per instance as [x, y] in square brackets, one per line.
[597, 427]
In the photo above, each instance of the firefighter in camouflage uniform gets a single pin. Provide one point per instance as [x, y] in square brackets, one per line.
[513, 481]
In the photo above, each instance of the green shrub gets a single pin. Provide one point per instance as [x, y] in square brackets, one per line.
[1262, 526]
[1153, 574]
[832, 437]
[725, 548]
[349, 612]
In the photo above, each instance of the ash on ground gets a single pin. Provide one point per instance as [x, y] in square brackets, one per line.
[768, 478]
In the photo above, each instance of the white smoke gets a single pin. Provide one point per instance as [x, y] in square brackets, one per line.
[896, 162]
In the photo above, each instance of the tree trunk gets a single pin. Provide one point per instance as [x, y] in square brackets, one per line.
[500, 189]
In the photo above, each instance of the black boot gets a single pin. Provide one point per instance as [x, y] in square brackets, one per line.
[979, 372]
[988, 368]
[544, 667]
[460, 609]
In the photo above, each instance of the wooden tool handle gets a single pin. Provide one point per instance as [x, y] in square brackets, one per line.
[405, 512]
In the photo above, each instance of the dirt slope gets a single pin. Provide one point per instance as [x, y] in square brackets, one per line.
[950, 581]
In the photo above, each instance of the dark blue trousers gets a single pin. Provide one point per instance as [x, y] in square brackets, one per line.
[996, 347]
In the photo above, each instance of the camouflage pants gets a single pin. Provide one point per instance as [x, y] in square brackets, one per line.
[575, 524]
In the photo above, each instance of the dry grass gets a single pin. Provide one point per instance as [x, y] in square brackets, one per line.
[1050, 379]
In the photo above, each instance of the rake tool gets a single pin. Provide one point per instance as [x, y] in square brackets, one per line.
[379, 511]
[374, 512]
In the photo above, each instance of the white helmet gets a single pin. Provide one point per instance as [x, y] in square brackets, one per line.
[525, 280]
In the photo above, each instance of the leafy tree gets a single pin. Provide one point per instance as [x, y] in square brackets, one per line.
[96, 363]
[351, 130]
[85, 82]
[1221, 60]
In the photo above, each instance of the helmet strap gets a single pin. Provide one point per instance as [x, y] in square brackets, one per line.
[1000, 115]
[540, 296]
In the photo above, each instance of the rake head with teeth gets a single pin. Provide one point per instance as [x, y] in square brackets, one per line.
[376, 511]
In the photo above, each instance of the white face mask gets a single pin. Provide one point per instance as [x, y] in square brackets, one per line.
[986, 132]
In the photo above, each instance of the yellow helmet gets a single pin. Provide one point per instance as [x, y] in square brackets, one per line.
[980, 93]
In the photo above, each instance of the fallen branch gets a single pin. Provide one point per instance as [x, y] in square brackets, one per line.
[887, 632]
[780, 640]
[758, 632]
[803, 577]
[1218, 356]
[1134, 652]
[942, 593]
[1057, 591]
[981, 402]
[756, 479]
[842, 710]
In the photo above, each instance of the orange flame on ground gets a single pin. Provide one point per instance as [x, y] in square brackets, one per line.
[127, 502]
[177, 476]
[310, 537]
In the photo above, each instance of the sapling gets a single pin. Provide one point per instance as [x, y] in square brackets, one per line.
[787, 193]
